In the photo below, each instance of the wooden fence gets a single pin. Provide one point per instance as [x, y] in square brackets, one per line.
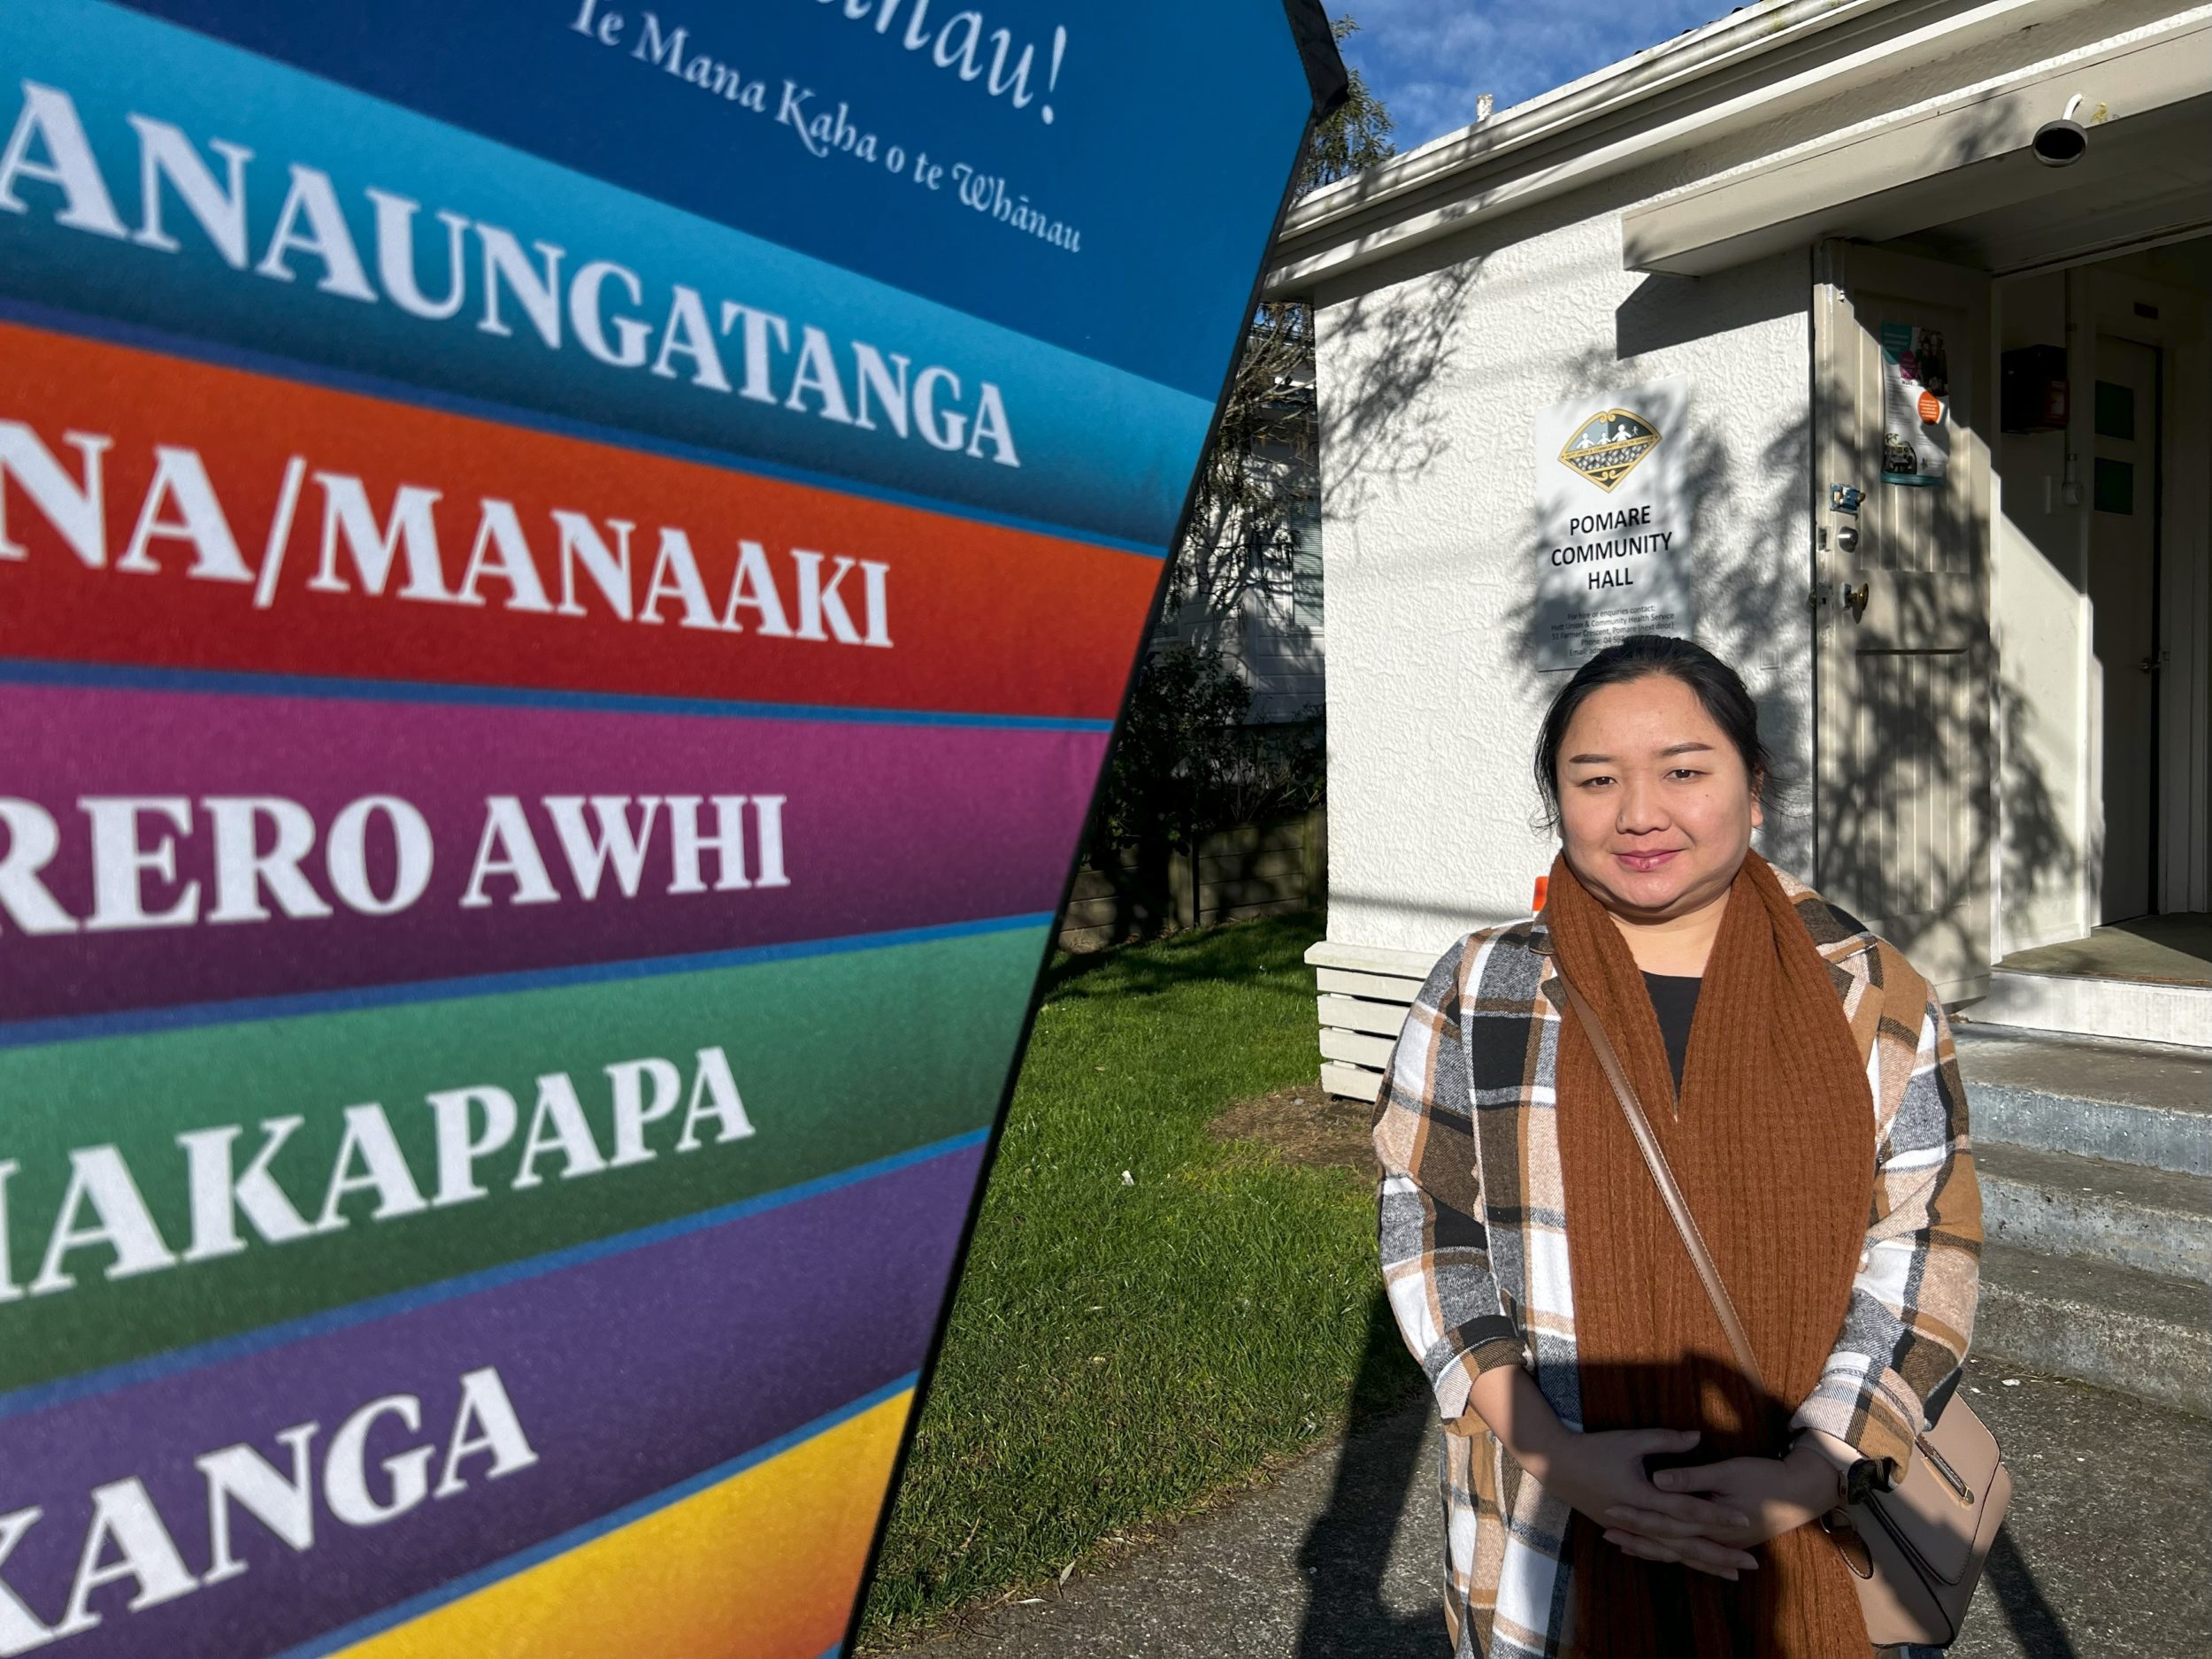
[1252, 870]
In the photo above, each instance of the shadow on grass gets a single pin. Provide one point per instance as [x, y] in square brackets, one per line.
[1238, 950]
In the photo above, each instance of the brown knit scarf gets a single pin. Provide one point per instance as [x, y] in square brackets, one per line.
[1772, 1142]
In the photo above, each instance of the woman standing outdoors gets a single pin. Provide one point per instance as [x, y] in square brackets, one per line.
[1615, 1486]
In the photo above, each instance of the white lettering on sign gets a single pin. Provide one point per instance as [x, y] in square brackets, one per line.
[255, 1187]
[962, 42]
[407, 548]
[494, 282]
[602, 843]
[128, 1540]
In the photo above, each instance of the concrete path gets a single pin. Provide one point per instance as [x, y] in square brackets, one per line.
[2108, 1553]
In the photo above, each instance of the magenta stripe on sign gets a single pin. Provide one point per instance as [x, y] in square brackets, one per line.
[167, 847]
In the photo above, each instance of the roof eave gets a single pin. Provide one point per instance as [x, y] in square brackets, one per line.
[1676, 93]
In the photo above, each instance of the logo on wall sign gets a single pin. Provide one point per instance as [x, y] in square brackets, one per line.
[1606, 448]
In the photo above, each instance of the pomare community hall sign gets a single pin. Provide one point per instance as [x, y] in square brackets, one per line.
[1612, 541]
[566, 570]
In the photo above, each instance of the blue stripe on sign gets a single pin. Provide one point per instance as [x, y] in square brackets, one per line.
[1088, 446]
[30, 672]
[228, 357]
[42, 1396]
[1169, 168]
[134, 1022]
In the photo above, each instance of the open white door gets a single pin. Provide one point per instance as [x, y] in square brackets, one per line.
[1903, 413]
[2124, 580]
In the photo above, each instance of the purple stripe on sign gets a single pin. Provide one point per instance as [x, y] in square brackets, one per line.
[157, 849]
[459, 1433]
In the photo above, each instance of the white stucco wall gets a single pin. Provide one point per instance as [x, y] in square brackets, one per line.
[1429, 382]
[1431, 367]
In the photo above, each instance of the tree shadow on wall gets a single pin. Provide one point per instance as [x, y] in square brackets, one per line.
[1869, 828]
[1749, 611]
[1385, 426]
[1238, 559]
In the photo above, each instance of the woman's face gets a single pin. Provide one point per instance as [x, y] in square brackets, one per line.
[1656, 809]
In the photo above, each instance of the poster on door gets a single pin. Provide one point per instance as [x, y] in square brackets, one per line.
[1916, 403]
[566, 574]
[1612, 550]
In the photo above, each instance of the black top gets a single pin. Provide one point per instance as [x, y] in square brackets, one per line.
[1674, 999]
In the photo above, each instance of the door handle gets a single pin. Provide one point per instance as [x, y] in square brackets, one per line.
[2152, 664]
[1856, 598]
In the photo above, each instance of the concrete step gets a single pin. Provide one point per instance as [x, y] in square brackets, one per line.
[2146, 1335]
[2117, 1213]
[2147, 1010]
[2126, 1102]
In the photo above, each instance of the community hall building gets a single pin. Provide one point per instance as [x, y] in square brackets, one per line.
[1866, 342]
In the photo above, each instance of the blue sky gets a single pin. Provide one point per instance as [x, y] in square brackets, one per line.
[1428, 59]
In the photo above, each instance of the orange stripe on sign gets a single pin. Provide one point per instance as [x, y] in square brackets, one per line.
[248, 523]
[765, 1565]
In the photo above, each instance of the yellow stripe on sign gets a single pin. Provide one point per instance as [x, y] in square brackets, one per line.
[765, 1566]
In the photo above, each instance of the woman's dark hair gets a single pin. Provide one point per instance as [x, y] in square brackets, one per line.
[1717, 687]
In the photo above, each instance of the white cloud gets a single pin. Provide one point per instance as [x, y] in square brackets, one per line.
[1428, 59]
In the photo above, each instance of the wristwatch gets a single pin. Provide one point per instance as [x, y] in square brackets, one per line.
[1857, 1478]
[1860, 1480]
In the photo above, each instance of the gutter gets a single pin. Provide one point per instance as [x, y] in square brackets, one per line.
[1961, 154]
[1749, 67]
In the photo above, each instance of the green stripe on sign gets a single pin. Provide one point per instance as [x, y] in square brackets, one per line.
[164, 1190]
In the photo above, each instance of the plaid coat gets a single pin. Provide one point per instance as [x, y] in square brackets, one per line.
[1474, 1244]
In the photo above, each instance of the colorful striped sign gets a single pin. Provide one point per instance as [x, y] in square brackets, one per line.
[565, 577]
[355, 1462]
[305, 844]
[574, 303]
[557, 1179]
[713, 605]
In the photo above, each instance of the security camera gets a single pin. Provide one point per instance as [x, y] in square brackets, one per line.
[2060, 143]
[2063, 143]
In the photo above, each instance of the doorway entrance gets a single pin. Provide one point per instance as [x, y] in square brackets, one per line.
[2013, 595]
[2104, 568]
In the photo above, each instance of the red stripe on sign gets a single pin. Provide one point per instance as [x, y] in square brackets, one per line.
[161, 512]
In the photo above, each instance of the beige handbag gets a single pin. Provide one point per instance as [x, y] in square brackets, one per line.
[1916, 1551]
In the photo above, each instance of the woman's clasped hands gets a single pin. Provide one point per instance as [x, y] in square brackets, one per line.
[1708, 1517]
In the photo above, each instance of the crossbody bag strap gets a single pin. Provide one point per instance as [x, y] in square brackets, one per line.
[1670, 1192]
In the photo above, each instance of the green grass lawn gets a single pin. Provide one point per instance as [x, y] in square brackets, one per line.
[1126, 1344]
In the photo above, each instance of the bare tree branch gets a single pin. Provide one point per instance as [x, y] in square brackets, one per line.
[1261, 477]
